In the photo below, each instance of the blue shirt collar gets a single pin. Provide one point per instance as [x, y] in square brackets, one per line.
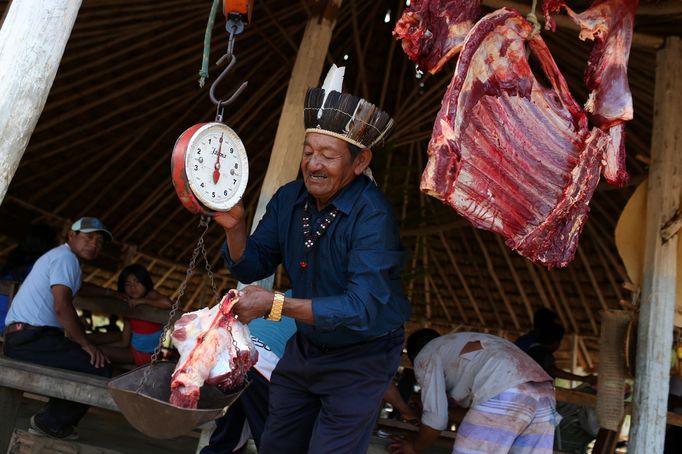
[345, 199]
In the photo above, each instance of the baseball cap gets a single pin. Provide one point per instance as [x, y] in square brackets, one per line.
[87, 224]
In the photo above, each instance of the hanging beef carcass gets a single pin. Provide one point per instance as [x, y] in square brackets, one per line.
[609, 24]
[214, 348]
[509, 154]
[432, 31]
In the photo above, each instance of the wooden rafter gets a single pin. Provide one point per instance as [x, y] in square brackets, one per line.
[496, 280]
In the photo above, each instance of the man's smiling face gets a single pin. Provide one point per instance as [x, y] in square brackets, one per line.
[327, 166]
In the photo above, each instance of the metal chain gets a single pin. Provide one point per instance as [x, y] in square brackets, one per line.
[204, 222]
[216, 296]
[209, 272]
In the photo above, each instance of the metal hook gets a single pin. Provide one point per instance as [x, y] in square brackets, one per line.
[220, 102]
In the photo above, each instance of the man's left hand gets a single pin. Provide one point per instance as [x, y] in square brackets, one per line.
[254, 302]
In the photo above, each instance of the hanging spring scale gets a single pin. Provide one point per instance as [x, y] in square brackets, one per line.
[237, 13]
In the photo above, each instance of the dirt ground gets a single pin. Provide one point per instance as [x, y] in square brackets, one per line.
[110, 432]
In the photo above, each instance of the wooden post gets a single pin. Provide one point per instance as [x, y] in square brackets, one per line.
[288, 145]
[32, 42]
[574, 357]
[654, 340]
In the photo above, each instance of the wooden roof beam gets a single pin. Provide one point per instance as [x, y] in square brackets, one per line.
[593, 279]
[554, 276]
[496, 280]
[462, 279]
[583, 301]
[482, 280]
[515, 276]
[451, 291]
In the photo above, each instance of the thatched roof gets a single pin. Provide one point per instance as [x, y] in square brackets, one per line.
[127, 87]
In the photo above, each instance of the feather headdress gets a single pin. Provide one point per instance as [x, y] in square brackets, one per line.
[330, 111]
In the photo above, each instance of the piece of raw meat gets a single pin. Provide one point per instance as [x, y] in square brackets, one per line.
[432, 31]
[214, 348]
[509, 154]
[609, 24]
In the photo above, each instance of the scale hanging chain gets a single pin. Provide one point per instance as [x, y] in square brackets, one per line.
[209, 271]
[204, 222]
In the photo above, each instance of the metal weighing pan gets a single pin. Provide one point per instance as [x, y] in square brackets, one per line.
[149, 411]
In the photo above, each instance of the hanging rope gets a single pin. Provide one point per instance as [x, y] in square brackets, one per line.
[203, 73]
[533, 19]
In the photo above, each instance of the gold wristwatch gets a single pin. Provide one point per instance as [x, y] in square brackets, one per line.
[277, 305]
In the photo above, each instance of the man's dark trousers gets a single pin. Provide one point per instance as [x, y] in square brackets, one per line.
[328, 400]
[49, 347]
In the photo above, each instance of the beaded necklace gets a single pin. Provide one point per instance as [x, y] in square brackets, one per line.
[311, 237]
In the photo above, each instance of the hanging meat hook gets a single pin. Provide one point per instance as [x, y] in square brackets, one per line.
[232, 60]
[220, 103]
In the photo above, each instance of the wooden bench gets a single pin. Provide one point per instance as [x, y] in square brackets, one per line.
[8, 289]
[17, 377]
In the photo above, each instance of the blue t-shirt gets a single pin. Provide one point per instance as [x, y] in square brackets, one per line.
[352, 274]
[273, 335]
[34, 303]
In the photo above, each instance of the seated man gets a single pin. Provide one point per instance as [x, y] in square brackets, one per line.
[42, 315]
[510, 398]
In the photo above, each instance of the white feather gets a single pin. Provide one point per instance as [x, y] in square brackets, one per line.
[333, 82]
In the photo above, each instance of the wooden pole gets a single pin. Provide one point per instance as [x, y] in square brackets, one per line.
[286, 151]
[32, 41]
[654, 339]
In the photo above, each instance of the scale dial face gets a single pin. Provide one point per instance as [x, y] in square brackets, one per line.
[217, 167]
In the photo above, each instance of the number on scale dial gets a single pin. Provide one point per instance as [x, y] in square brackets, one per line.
[216, 166]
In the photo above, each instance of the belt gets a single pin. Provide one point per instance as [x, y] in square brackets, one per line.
[19, 326]
[367, 340]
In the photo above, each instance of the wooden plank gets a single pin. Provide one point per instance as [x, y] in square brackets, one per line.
[118, 307]
[660, 257]
[60, 383]
[33, 37]
[25, 443]
[590, 400]
[286, 151]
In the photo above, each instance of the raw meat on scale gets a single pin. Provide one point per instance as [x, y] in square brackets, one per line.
[214, 348]
[509, 154]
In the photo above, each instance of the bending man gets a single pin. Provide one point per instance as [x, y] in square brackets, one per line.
[510, 398]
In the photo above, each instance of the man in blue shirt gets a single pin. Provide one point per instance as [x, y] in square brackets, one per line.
[336, 236]
[42, 312]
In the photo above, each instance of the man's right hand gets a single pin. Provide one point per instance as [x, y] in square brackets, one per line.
[97, 358]
[231, 219]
